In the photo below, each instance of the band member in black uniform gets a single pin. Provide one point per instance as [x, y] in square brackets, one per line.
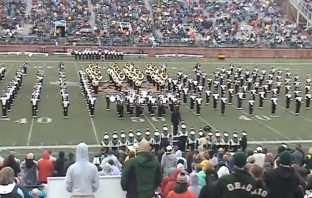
[107, 97]
[240, 97]
[261, 98]
[299, 101]
[160, 109]
[207, 94]
[223, 105]
[198, 104]
[274, 101]
[185, 95]
[251, 103]
[34, 106]
[215, 99]
[25, 66]
[76, 54]
[120, 109]
[288, 99]
[192, 101]
[65, 104]
[175, 120]
[243, 141]
[4, 106]
[308, 100]
[137, 109]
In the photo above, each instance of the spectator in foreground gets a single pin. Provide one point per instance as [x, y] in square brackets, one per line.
[69, 162]
[181, 190]
[283, 181]
[168, 160]
[82, 178]
[8, 185]
[59, 164]
[45, 167]
[29, 170]
[142, 174]
[194, 185]
[111, 156]
[171, 183]
[11, 162]
[225, 186]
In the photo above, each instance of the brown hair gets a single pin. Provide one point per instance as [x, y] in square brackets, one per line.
[295, 166]
[189, 156]
[257, 172]
[6, 176]
[9, 161]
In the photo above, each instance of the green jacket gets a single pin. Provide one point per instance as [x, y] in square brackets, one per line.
[236, 185]
[141, 175]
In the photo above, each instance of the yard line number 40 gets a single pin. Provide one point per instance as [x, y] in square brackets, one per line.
[42, 120]
[136, 120]
[259, 117]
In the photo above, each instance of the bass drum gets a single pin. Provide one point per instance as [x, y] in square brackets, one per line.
[112, 98]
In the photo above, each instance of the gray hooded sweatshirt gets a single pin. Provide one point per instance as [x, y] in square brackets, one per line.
[82, 178]
[168, 160]
[194, 185]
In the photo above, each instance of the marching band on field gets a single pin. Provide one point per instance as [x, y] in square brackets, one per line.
[97, 54]
[63, 90]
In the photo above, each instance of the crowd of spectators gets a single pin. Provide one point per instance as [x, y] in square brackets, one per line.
[168, 173]
[152, 22]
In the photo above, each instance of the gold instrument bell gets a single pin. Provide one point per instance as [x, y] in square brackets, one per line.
[95, 83]
[138, 83]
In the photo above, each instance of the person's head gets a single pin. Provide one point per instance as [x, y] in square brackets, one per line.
[131, 153]
[198, 168]
[205, 156]
[182, 178]
[82, 152]
[61, 154]
[257, 172]
[285, 159]
[189, 156]
[144, 146]
[10, 160]
[35, 193]
[70, 156]
[6, 176]
[240, 160]
[251, 159]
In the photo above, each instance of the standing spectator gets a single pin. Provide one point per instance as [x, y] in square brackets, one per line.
[194, 185]
[59, 165]
[142, 174]
[29, 170]
[259, 157]
[168, 160]
[132, 154]
[181, 159]
[239, 183]
[8, 185]
[261, 190]
[114, 169]
[308, 160]
[283, 181]
[45, 167]
[172, 182]
[11, 162]
[181, 190]
[82, 178]
[1, 158]
[69, 162]
[298, 156]
[189, 161]
[52, 158]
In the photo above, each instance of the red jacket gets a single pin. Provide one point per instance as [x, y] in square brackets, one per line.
[187, 194]
[45, 167]
[172, 182]
[164, 183]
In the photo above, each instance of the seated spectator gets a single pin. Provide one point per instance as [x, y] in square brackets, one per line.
[180, 189]
[45, 167]
[194, 185]
[9, 186]
[111, 156]
[106, 170]
[29, 170]
[114, 169]
[10, 161]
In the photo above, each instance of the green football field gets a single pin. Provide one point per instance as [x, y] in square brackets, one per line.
[22, 134]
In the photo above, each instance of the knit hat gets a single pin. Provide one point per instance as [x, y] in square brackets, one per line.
[240, 159]
[182, 178]
[285, 158]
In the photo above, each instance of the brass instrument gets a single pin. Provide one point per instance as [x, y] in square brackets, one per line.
[93, 72]
[117, 74]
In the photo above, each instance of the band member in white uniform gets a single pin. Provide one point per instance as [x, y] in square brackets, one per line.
[198, 104]
[299, 101]
[274, 101]
[65, 104]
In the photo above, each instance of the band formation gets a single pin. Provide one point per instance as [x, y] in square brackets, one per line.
[97, 54]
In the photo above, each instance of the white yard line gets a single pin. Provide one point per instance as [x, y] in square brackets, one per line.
[267, 126]
[214, 128]
[150, 122]
[91, 119]
[9, 69]
[32, 120]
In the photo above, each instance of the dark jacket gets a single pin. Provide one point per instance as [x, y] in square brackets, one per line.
[282, 182]
[226, 185]
[67, 164]
[13, 191]
[308, 162]
[59, 167]
[141, 175]
[16, 168]
[261, 191]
